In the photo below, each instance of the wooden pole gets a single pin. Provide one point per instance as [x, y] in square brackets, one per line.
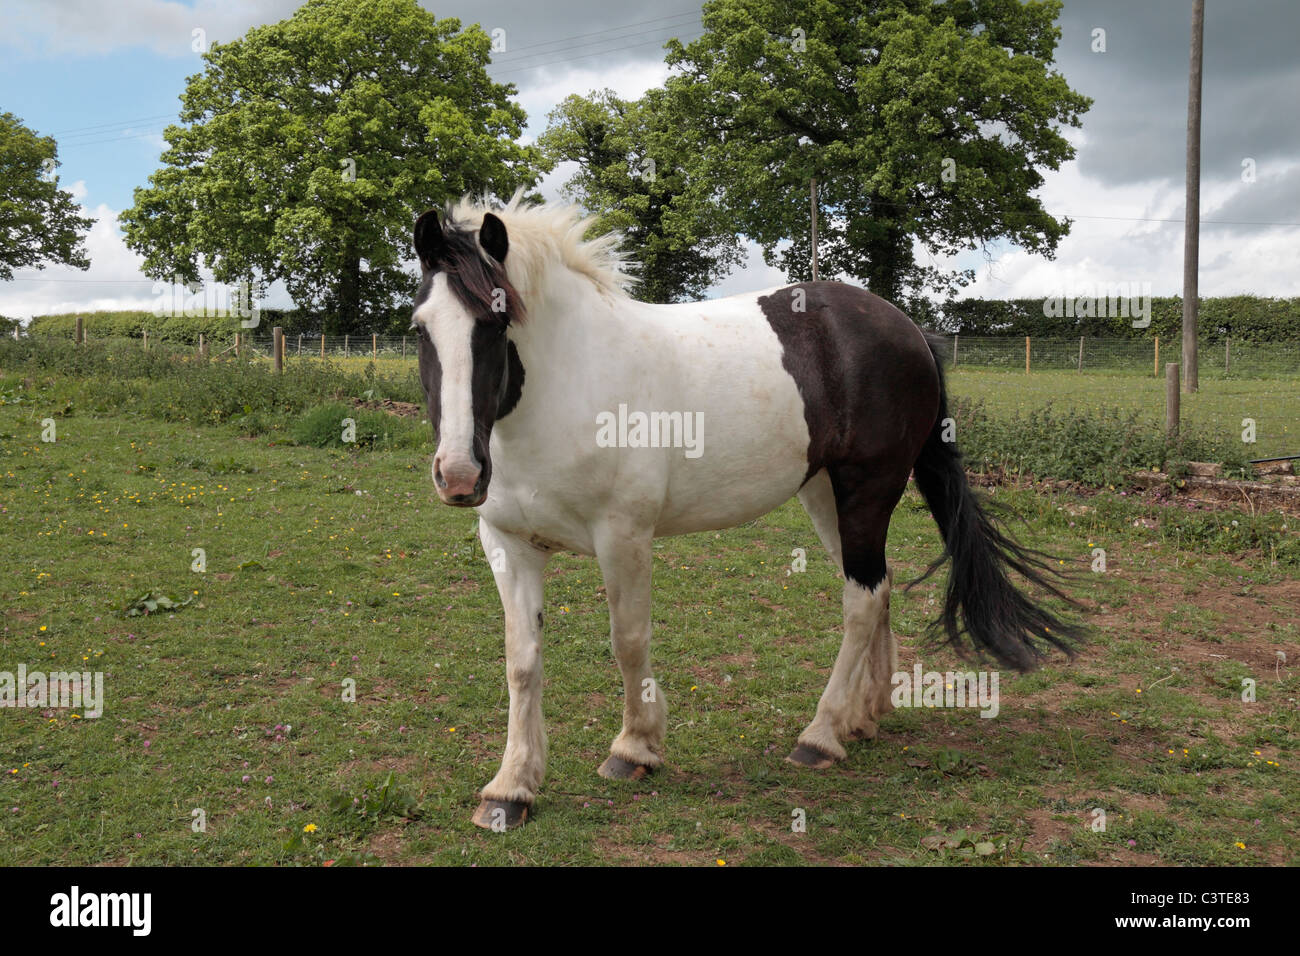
[79, 336]
[1155, 366]
[238, 343]
[403, 346]
[1192, 226]
[1171, 400]
[277, 347]
[322, 345]
[346, 353]
[299, 343]
[146, 340]
[374, 345]
[203, 348]
[954, 349]
[813, 206]
[1081, 353]
[1227, 356]
[1026, 355]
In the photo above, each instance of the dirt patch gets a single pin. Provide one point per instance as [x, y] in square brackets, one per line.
[400, 409]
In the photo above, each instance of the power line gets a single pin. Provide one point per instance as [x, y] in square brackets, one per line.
[73, 131]
[694, 15]
[584, 56]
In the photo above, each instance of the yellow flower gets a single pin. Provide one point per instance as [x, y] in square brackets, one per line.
[309, 828]
[1239, 845]
[722, 863]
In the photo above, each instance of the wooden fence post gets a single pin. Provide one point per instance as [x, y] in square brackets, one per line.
[374, 345]
[277, 347]
[403, 346]
[1026, 355]
[79, 336]
[1081, 353]
[346, 353]
[1155, 366]
[322, 344]
[1171, 400]
[203, 349]
[1226, 353]
[146, 340]
[299, 343]
[954, 349]
[238, 344]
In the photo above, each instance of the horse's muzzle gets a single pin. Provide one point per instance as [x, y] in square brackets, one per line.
[462, 484]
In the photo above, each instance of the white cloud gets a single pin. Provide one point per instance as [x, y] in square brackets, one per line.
[76, 27]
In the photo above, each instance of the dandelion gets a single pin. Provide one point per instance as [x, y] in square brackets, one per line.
[309, 828]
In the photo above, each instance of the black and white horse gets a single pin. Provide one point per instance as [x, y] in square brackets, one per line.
[573, 417]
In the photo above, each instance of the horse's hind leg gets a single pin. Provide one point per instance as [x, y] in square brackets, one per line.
[625, 557]
[851, 514]
[517, 567]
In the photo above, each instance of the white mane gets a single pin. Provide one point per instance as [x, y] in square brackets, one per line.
[542, 236]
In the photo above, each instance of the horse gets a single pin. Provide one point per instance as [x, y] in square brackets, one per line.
[573, 417]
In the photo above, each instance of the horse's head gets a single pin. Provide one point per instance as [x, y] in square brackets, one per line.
[470, 370]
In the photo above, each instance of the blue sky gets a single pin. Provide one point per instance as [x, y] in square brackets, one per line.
[104, 79]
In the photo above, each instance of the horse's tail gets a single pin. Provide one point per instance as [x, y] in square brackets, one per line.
[981, 599]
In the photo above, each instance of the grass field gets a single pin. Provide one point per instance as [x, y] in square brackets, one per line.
[325, 565]
[1219, 405]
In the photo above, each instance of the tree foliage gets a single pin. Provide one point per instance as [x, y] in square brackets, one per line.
[877, 99]
[632, 177]
[39, 223]
[312, 144]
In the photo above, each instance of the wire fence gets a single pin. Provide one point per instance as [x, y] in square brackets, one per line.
[1149, 356]
[1226, 358]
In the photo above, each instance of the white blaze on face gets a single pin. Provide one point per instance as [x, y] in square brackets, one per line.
[451, 328]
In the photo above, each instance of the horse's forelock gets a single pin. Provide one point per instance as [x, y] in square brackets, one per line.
[474, 278]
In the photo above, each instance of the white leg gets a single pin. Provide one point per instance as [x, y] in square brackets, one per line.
[857, 694]
[517, 567]
[625, 563]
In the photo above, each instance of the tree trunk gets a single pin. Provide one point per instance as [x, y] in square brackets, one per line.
[348, 320]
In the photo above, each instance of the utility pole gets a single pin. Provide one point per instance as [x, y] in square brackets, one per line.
[1192, 226]
[813, 204]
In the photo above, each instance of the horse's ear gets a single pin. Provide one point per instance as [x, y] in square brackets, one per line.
[492, 235]
[428, 238]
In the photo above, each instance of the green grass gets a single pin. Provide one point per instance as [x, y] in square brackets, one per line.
[326, 564]
[1217, 408]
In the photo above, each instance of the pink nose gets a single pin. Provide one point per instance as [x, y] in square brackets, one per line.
[456, 478]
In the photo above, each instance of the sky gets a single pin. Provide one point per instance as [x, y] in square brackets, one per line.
[104, 78]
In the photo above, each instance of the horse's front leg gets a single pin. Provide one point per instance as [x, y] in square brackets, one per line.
[517, 567]
[624, 558]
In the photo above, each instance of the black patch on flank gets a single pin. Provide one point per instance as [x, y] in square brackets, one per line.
[870, 399]
[866, 376]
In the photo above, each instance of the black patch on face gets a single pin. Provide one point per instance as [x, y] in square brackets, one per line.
[870, 394]
[513, 386]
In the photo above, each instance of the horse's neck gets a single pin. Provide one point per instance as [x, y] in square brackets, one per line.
[573, 338]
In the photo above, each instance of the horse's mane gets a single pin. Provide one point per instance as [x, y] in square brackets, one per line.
[544, 235]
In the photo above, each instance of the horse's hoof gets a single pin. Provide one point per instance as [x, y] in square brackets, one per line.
[616, 768]
[810, 757]
[501, 815]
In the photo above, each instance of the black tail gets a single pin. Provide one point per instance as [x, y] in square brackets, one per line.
[981, 599]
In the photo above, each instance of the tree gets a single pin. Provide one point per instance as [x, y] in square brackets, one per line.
[631, 177]
[314, 143]
[923, 122]
[39, 224]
